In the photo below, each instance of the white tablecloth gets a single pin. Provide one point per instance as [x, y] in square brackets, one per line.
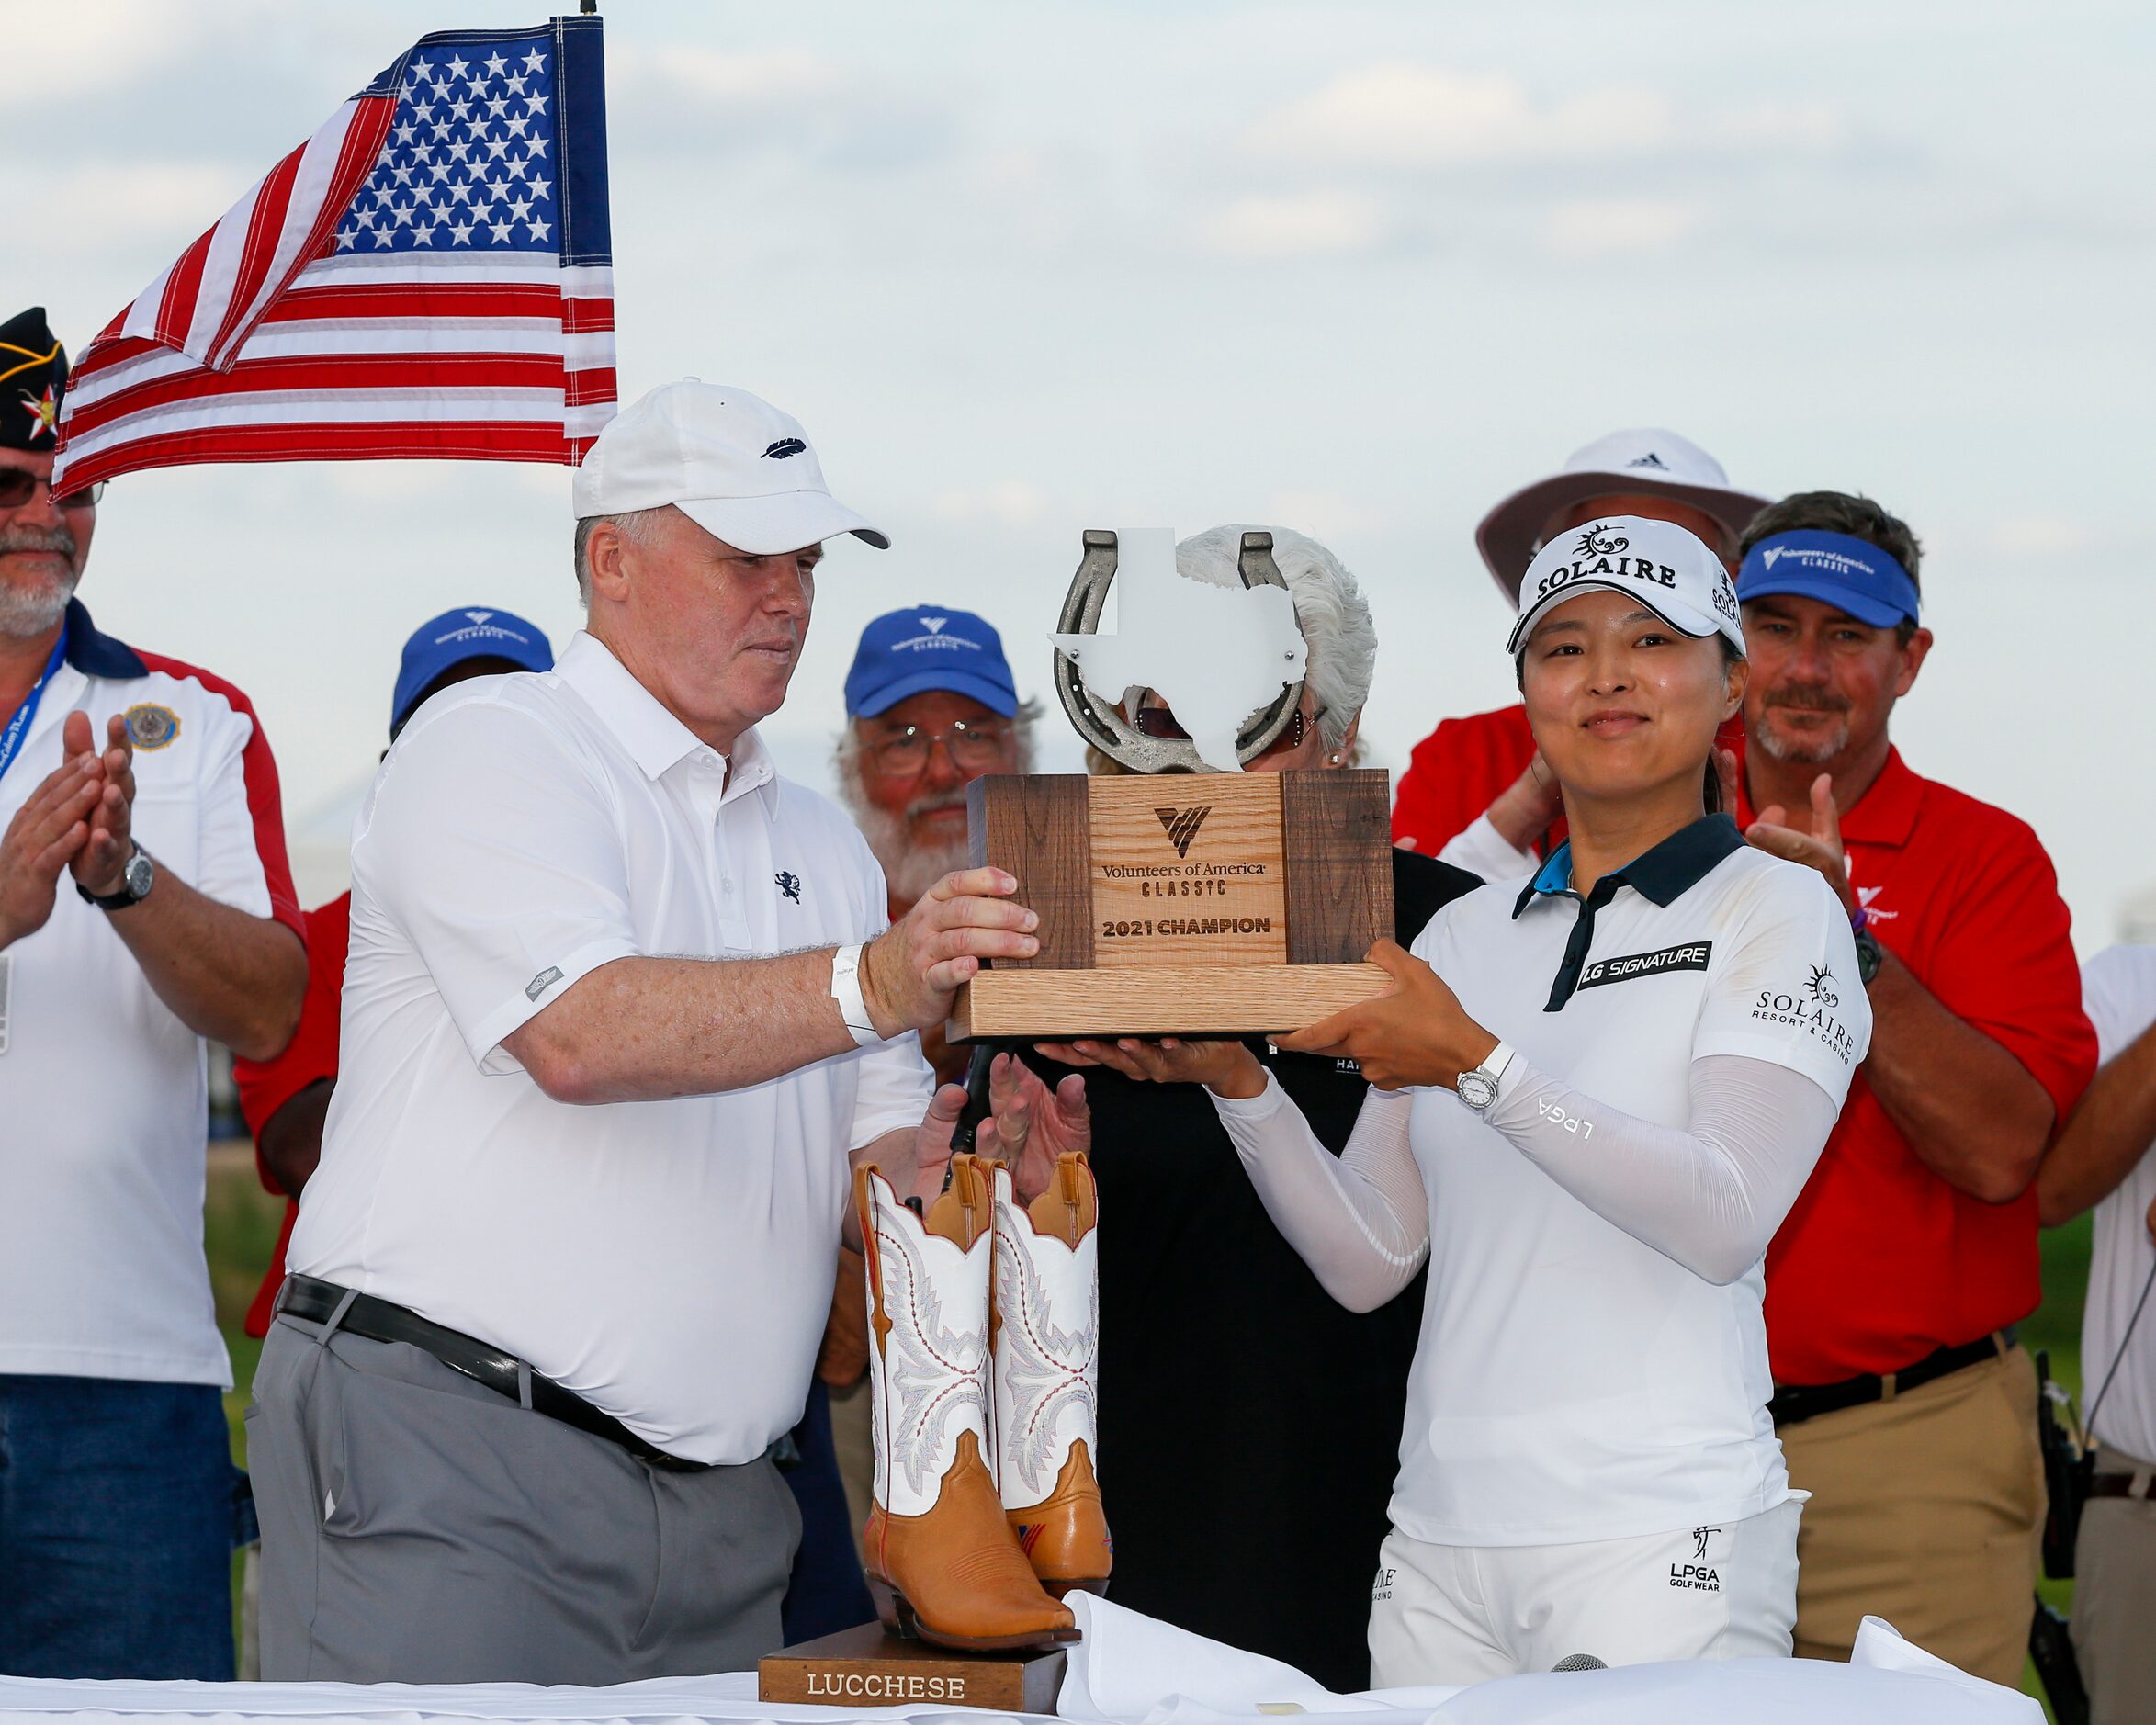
[1129, 1671]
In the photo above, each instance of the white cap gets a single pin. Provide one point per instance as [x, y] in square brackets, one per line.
[1624, 463]
[1670, 571]
[730, 461]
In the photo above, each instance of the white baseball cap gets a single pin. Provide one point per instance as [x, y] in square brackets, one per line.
[1669, 571]
[730, 461]
[1623, 462]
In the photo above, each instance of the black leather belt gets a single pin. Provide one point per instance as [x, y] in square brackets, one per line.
[380, 1320]
[1794, 1402]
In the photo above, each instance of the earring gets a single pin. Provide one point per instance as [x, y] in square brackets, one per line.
[1335, 760]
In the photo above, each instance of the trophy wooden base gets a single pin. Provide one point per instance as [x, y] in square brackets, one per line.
[1165, 1001]
[869, 1667]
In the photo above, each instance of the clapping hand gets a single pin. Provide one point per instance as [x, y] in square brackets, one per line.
[46, 836]
[100, 866]
[1029, 1127]
[1820, 848]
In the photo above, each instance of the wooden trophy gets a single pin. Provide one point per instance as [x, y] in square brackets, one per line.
[1177, 900]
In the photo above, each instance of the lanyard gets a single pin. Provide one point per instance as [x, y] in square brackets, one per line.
[19, 726]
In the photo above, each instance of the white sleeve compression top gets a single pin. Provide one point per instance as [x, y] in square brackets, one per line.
[1709, 1195]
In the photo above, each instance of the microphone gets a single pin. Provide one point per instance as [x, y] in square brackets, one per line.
[1580, 1661]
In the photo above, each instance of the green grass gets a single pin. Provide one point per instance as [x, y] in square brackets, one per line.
[240, 1230]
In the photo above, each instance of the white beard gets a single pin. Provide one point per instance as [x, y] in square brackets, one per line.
[909, 868]
[30, 609]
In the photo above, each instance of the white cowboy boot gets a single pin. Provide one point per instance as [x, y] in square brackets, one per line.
[941, 1561]
[1047, 1327]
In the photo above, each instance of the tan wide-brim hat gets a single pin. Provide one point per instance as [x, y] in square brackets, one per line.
[1625, 463]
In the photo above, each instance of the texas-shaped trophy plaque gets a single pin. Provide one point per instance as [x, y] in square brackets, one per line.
[1177, 900]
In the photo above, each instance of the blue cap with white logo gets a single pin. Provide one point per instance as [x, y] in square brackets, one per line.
[928, 646]
[453, 637]
[1839, 569]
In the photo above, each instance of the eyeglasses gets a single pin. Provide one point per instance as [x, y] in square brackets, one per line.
[1157, 721]
[975, 745]
[16, 487]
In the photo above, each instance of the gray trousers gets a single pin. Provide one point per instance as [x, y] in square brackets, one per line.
[2114, 1600]
[418, 1527]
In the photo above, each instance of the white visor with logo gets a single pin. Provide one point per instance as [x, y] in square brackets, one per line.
[1667, 569]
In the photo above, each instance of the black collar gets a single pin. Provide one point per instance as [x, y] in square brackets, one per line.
[1662, 876]
[95, 654]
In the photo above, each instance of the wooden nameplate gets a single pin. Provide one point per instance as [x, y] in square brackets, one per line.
[869, 1666]
[1184, 904]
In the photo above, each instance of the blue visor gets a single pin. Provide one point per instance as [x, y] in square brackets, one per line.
[1836, 568]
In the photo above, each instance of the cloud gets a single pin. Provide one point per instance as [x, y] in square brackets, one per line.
[1604, 227]
[1297, 224]
[1320, 513]
[118, 206]
[72, 49]
[2042, 536]
[1407, 115]
[788, 101]
[759, 82]
[1399, 114]
[1012, 502]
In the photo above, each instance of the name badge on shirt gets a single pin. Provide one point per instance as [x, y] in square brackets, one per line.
[1692, 955]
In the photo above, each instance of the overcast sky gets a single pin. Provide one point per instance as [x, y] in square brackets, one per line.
[1359, 269]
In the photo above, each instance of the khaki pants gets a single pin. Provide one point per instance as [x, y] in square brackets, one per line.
[1927, 1510]
[2114, 1601]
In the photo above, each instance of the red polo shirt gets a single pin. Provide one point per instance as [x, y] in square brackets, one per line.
[1882, 1261]
[267, 1086]
[1456, 772]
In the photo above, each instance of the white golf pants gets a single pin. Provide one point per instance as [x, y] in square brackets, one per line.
[1461, 1614]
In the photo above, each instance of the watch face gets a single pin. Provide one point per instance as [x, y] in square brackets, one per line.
[1478, 1089]
[141, 872]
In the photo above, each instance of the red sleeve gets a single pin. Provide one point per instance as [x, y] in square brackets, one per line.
[267, 1086]
[264, 801]
[2010, 971]
[263, 1307]
[1455, 773]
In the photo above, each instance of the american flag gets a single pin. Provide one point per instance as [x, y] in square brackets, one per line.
[430, 274]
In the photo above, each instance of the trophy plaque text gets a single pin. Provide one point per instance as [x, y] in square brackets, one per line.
[1182, 904]
[870, 1667]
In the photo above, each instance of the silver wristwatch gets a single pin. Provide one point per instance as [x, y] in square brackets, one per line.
[1478, 1088]
[135, 882]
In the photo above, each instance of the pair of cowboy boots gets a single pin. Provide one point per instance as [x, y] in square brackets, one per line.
[984, 1317]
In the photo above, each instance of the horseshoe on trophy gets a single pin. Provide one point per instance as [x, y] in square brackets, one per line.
[1108, 730]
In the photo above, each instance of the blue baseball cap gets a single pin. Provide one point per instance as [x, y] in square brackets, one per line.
[1845, 571]
[928, 646]
[456, 635]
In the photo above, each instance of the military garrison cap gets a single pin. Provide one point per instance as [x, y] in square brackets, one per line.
[33, 380]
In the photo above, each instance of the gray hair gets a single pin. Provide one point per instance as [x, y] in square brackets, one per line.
[634, 526]
[1329, 609]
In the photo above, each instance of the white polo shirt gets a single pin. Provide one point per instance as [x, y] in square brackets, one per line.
[1572, 1384]
[670, 1261]
[2118, 991]
[104, 1094]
